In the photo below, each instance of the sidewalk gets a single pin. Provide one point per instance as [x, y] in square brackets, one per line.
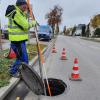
[91, 39]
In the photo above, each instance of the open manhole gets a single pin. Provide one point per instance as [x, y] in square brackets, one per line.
[57, 87]
[35, 83]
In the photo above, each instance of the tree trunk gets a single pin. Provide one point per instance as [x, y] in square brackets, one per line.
[53, 30]
[57, 28]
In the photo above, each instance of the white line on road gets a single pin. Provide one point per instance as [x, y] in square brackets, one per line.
[94, 47]
[82, 43]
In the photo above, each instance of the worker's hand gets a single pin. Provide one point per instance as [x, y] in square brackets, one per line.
[34, 23]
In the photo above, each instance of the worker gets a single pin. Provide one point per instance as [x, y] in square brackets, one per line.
[18, 27]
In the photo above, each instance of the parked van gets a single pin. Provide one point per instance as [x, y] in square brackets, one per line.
[78, 32]
[44, 32]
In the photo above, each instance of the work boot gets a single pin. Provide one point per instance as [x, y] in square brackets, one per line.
[16, 75]
[14, 72]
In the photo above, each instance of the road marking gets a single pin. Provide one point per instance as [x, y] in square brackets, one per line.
[81, 43]
[94, 47]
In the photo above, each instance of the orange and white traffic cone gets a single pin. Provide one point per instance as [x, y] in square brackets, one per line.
[75, 76]
[54, 49]
[11, 54]
[63, 55]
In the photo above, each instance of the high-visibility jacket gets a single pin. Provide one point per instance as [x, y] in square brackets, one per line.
[18, 25]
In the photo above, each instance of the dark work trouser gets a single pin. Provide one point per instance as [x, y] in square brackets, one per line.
[21, 53]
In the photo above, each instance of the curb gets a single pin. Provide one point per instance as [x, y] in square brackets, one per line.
[14, 81]
[5, 90]
[91, 39]
[32, 62]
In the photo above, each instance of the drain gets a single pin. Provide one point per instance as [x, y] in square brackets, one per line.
[57, 86]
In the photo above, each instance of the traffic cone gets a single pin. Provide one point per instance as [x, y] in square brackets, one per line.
[63, 55]
[75, 76]
[11, 54]
[54, 49]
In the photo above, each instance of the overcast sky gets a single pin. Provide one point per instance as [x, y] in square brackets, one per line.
[74, 11]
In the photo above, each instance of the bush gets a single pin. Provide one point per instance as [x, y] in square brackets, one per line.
[5, 62]
[97, 32]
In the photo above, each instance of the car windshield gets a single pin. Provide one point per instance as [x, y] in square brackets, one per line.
[44, 29]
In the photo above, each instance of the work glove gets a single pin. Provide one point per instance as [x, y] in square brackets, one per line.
[33, 23]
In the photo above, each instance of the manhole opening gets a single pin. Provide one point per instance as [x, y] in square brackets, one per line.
[57, 86]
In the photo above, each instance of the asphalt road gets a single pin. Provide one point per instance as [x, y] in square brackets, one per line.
[88, 54]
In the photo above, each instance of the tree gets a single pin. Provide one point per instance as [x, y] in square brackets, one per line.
[54, 17]
[95, 22]
[64, 30]
[56, 29]
[83, 30]
[73, 30]
[97, 32]
[88, 30]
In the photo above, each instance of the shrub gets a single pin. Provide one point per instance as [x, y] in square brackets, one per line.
[97, 32]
